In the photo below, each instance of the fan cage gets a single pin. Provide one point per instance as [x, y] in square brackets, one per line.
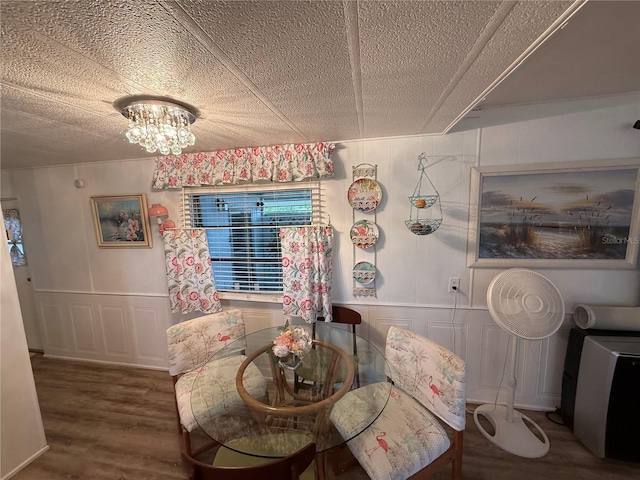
[526, 304]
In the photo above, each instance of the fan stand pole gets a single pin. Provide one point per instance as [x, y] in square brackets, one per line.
[511, 433]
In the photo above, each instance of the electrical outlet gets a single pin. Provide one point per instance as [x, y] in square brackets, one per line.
[454, 284]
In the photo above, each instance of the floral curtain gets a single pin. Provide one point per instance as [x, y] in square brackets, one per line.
[189, 273]
[280, 163]
[13, 226]
[307, 271]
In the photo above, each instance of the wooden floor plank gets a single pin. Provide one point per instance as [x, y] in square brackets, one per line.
[107, 422]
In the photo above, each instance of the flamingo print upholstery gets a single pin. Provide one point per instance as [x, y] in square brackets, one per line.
[429, 386]
[193, 342]
[430, 373]
[191, 345]
[218, 392]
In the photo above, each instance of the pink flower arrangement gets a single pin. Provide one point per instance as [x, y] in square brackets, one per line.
[294, 340]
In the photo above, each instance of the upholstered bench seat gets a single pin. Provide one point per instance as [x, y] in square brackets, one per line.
[409, 436]
[218, 391]
[403, 439]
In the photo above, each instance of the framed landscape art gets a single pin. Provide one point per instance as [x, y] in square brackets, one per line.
[121, 221]
[570, 215]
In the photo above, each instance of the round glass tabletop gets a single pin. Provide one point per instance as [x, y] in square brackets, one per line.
[245, 400]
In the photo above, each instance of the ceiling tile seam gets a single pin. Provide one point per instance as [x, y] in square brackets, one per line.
[487, 33]
[194, 29]
[97, 65]
[48, 120]
[26, 90]
[350, 9]
[57, 140]
[222, 126]
[546, 35]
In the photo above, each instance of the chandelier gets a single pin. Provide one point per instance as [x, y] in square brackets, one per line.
[157, 123]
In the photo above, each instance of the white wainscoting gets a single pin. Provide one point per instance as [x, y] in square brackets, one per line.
[130, 330]
[120, 329]
[474, 336]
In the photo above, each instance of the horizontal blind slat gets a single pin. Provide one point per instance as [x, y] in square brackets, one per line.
[242, 227]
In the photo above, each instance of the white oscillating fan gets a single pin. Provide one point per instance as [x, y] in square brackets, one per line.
[528, 306]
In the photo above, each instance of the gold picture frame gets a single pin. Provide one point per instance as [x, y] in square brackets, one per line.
[121, 221]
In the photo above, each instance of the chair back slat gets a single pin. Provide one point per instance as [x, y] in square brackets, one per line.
[287, 468]
[345, 316]
[430, 373]
[192, 343]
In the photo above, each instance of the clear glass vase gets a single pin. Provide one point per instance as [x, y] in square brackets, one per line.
[290, 362]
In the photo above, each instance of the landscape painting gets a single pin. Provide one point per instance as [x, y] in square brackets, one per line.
[549, 217]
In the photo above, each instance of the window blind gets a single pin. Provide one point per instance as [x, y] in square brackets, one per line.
[243, 227]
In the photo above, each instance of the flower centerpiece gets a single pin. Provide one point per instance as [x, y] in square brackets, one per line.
[291, 345]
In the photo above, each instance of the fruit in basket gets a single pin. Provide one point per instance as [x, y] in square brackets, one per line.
[426, 229]
[420, 203]
[416, 227]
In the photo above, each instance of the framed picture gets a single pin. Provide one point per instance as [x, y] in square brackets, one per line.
[569, 215]
[121, 221]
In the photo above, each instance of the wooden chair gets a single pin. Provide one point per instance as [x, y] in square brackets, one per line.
[287, 468]
[421, 428]
[191, 344]
[310, 378]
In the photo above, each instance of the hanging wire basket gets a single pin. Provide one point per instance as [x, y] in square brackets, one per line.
[423, 226]
[423, 201]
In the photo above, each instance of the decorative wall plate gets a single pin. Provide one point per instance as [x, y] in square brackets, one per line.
[364, 273]
[364, 233]
[364, 194]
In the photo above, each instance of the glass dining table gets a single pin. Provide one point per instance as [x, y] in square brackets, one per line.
[277, 411]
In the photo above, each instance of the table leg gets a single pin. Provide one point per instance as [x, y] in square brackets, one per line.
[321, 469]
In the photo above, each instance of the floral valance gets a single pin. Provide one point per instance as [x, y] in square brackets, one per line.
[279, 163]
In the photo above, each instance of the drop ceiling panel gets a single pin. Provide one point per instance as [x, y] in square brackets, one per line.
[263, 73]
[500, 52]
[294, 53]
[409, 51]
[564, 67]
[143, 50]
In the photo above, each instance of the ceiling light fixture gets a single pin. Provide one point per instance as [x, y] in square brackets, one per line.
[158, 123]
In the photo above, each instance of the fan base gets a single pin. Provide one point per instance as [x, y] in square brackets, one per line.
[514, 437]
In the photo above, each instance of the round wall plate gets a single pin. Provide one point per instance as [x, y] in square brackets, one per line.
[364, 233]
[364, 194]
[364, 273]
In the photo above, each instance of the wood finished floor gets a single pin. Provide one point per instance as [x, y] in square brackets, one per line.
[117, 423]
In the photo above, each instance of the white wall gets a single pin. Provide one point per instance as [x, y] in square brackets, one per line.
[571, 131]
[22, 434]
[111, 305]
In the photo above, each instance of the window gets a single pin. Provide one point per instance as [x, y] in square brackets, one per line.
[13, 229]
[243, 231]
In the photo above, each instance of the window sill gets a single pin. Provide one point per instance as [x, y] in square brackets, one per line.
[251, 297]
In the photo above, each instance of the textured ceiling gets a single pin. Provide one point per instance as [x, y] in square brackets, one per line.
[264, 73]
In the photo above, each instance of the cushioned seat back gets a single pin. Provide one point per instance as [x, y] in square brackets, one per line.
[193, 342]
[430, 373]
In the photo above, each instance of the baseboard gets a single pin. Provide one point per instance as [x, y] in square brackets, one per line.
[25, 463]
[106, 362]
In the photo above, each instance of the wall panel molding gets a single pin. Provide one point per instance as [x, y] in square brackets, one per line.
[112, 329]
[148, 336]
[131, 331]
[84, 329]
[52, 319]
